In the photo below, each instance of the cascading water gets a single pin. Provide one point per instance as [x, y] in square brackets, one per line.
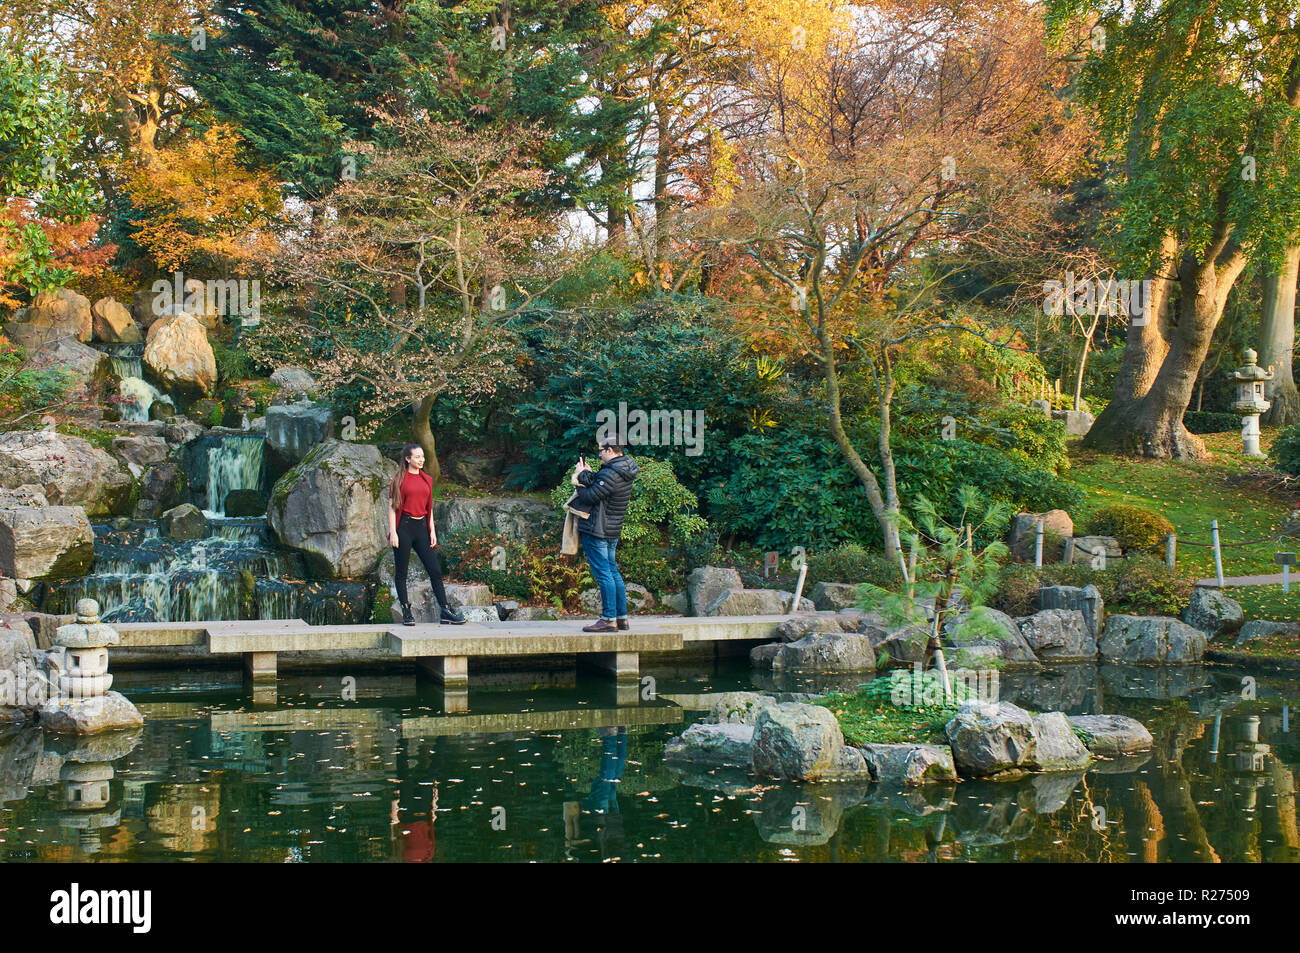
[234, 462]
[137, 395]
[139, 576]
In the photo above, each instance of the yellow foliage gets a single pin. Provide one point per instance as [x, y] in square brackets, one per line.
[201, 206]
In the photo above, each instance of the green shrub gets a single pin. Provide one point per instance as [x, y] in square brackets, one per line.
[853, 563]
[793, 488]
[556, 578]
[1285, 454]
[1038, 440]
[651, 566]
[471, 556]
[1209, 421]
[1141, 585]
[1134, 526]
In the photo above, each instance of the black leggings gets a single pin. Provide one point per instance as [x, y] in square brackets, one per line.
[413, 533]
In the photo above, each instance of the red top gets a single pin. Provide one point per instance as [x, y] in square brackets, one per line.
[417, 494]
[418, 843]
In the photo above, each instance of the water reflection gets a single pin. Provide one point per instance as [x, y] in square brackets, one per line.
[560, 773]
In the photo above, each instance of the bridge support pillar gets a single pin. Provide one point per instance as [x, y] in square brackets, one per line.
[260, 666]
[624, 666]
[452, 671]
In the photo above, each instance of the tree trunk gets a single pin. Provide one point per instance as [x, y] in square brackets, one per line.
[1152, 426]
[1277, 340]
[1143, 354]
[422, 434]
[1078, 380]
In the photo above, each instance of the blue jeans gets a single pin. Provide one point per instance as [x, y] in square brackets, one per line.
[600, 555]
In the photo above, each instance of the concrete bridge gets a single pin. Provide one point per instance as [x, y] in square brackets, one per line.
[443, 651]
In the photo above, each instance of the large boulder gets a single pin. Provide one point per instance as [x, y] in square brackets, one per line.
[85, 364]
[293, 380]
[1213, 613]
[45, 542]
[909, 763]
[185, 522]
[178, 354]
[1113, 736]
[1265, 628]
[70, 470]
[1077, 422]
[706, 583]
[1056, 746]
[796, 741]
[1096, 551]
[1005, 648]
[834, 596]
[1151, 640]
[1059, 635]
[513, 517]
[738, 708]
[1086, 600]
[333, 508]
[1057, 527]
[716, 745]
[796, 627]
[746, 602]
[64, 310]
[638, 599]
[89, 716]
[293, 429]
[826, 653]
[140, 453]
[475, 469]
[989, 738]
[112, 323]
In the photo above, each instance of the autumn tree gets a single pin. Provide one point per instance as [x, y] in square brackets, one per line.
[200, 208]
[427, 255]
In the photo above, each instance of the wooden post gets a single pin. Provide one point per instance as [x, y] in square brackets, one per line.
[798, 590]
[1218, 556]
[1171, 551]
[1038, 545]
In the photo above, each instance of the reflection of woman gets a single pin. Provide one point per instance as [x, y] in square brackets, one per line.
[415, 840]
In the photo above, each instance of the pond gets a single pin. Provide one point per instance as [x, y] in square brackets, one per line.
[549, 767]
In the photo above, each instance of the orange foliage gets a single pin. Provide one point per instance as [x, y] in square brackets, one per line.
[72, 246]
[201, 206]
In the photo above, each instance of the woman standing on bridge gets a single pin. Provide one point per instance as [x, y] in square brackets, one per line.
[410, 525]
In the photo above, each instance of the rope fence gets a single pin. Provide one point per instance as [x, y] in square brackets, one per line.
[1170, 545]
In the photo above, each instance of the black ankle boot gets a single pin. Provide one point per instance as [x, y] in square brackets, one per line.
[407, 618]
[450, 616]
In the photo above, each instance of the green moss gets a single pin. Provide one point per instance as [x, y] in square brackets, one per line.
[97, 438]
[871, 715]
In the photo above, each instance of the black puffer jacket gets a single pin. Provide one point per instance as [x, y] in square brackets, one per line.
[605, 494]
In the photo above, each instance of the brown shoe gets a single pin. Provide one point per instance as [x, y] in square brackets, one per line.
[622, 625]
[601, 625]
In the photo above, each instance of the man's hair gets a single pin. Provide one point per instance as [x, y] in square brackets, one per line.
[609, 445]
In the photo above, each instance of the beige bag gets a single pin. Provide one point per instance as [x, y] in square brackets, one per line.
[569, 541]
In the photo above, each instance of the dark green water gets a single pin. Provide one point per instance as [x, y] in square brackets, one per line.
[391, 776]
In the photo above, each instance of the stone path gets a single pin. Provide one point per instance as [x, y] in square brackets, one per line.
[1270, 579]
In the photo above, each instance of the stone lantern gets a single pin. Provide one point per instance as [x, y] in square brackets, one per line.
[1250, 403]
[77, 667]
[82, 648]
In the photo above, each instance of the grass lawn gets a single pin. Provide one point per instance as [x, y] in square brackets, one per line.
[1268, 602]
[1247, 498]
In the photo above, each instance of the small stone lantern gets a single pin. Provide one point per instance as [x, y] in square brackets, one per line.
[83, 647]
[77, 669]
[1250, 403]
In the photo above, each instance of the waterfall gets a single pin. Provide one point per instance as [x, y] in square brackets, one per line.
[137, 397]
[235, 462]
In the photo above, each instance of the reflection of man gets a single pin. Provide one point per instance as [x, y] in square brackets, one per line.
[415, 840]
[602, 802]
